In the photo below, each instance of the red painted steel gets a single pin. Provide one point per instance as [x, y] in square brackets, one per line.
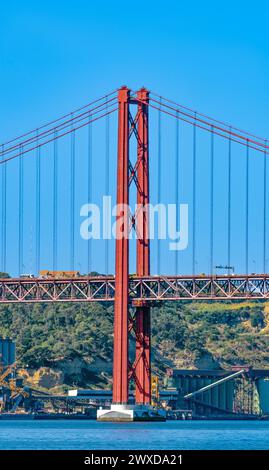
[142, 326]
[145, 290]
[120, 362]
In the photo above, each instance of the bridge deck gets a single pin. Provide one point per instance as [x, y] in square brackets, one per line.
[149, 288]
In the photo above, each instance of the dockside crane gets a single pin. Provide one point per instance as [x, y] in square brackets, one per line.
[17, 394]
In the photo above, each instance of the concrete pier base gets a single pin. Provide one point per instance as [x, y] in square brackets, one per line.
[127, 413]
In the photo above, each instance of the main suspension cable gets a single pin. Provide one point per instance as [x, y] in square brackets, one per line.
[37, 130]
[216, 128]
[210, 118]
[208, 129]
[58, 136]
[70, 122]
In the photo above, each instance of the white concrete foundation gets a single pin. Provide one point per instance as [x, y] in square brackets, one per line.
[131, 413]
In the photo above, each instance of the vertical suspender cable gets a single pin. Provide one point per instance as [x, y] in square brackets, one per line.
[89, 188]
[107, 182]
[4, 212]
[194, 198]
[38, 175]
[264, 207]
[20, 211]
[55, 201]
[247, 206]
[212, 201]
[159, 181]
[72, 200]
[177, 186]
[229, 199]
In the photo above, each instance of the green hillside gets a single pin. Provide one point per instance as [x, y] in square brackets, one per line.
[67, 345]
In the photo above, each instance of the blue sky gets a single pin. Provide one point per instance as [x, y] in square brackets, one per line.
[56, 56]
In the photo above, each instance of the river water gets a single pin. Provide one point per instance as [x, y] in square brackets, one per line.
[91, 435]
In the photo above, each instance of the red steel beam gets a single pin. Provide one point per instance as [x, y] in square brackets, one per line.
[142, 326]
[142, 290]
[120, 361]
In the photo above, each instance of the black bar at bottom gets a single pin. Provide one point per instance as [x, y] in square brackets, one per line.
[120, 458]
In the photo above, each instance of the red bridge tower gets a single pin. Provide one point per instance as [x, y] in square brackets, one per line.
[123, 369]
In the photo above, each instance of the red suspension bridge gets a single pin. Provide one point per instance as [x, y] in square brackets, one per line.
[134, 294]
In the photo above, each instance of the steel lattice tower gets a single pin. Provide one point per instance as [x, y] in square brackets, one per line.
[123, 370]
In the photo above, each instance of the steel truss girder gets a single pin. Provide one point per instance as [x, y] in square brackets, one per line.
[146, 288]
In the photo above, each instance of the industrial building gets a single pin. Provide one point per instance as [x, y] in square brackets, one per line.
[241, 391]
[7, 360]
[238, 393]
[7, 352]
